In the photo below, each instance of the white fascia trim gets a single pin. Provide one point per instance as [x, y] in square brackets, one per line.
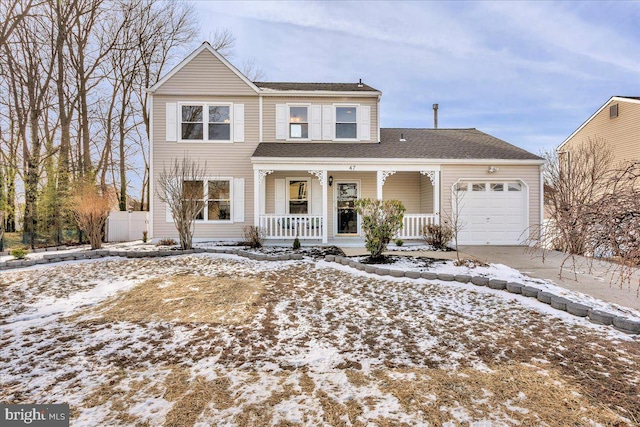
[612, 99]
[349, 167]
[151, 194]
[379, 96]
[260, 119]
[390, 163]
[318, 93]
[208, 47]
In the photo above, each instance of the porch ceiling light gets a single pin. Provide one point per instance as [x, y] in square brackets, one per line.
[493, 169]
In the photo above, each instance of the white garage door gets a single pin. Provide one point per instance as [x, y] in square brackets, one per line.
[491, 213]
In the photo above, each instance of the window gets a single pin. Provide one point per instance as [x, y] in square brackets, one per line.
[462, 186]
[298, 197]
[346, 123]
[208, 122]
[219, 200]
[193, 192]
[497, 186]
[613, 111]
[299, 122]
[192, 122]
[213, 198]
[219, 123]
[479, 187]
[514, 186]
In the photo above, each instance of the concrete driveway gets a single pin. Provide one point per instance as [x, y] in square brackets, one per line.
[599, 279]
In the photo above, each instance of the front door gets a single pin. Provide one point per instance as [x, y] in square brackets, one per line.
[346, 215]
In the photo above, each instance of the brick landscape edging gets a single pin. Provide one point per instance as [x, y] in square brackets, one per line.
[600, 317]
[101, 253]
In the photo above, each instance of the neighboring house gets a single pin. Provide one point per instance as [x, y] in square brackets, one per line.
[617, 123]
[292, 158]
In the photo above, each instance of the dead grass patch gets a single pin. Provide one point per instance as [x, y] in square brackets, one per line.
[186, 298]
[527, 394]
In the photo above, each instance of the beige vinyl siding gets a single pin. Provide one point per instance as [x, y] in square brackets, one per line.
[406, 187]
[529, 174]
[269, 112]
[622, 134]
[205, 74]
[222, 159]
[426, 195]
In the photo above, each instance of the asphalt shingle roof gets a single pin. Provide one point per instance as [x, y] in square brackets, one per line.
[332, 87]
[419, 144]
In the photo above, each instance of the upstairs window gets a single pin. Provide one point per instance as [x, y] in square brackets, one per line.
[192, 124]
[208, 122]
[219, 123]
[346, 123]
[299, 122]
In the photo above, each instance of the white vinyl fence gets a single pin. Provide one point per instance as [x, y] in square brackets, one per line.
[126, 226]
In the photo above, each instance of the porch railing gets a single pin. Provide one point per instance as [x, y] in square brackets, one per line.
[290, 226]
[414, 224]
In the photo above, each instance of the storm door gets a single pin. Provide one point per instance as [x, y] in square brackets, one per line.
[346, 215]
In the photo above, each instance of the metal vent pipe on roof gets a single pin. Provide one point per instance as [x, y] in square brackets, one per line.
[435, 116]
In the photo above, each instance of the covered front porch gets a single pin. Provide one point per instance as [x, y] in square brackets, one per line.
[317, 203]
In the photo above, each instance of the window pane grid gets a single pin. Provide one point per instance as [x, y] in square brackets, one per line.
[346, 123]
[214, 195]
[299, 122]
[215, 125]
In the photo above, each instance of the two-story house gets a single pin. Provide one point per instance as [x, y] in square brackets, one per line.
[292, 158]
[616, 123]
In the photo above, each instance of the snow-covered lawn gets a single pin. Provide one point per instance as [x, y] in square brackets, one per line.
[316, 344]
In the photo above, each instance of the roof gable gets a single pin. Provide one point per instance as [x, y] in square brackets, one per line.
[203, 71]
[630, 99]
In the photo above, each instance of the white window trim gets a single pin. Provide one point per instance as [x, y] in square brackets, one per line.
[288, 193]
[288, 122]
[205, 122]
[335, 121]
[206, 200]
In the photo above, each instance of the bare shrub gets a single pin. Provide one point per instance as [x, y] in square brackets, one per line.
[91, 209]
[166, 242]
[253, 236]
[181, 187]
[437, 235]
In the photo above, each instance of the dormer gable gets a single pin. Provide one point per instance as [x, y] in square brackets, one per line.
[205, 72]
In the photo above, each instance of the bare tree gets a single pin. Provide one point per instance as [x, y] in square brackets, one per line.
[181, 188]
[13, 13]
[574, 180]
[454, 218]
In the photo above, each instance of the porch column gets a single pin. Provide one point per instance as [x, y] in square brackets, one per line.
[436, 195]
[434, 177]
[325, 209]
[259, 194]
[256, 197]
[382, 177]
[322, 178]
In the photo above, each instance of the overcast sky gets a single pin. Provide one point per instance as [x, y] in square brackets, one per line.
[526, 72]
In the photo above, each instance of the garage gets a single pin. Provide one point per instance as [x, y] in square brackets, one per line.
[491, 213]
